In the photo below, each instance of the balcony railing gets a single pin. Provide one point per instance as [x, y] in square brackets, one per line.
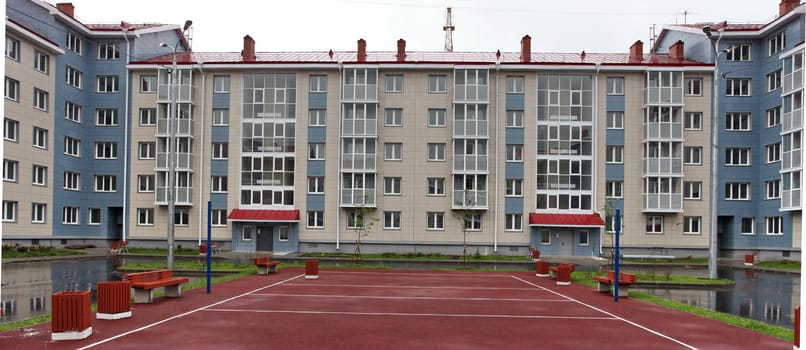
[358, 162]
[184, 127]
[663, 131]
[470, 163]
[664, 95]
[360, 92]
[791, 160]
[463, 199]
[183, 195]
[357, 197]
[470, 128]
[185, 94]
[184, 161]
[792, 120]
[665, 202]
[663, 166]
[790, 199]
[359, 127]
[792, 82]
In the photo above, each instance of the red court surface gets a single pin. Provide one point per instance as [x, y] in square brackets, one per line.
[395, 309]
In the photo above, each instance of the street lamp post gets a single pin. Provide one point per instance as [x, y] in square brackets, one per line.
[172, 115]
[713, 252]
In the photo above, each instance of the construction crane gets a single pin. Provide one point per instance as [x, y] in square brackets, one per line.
[448, 28]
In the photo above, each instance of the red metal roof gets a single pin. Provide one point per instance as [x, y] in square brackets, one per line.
[265, 215]
[589, 220]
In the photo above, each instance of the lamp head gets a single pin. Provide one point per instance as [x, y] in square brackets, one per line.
[707, 31]
[188, 23]
[163, 45]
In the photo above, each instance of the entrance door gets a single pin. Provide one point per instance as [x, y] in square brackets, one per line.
[265, 238]
[565, 243]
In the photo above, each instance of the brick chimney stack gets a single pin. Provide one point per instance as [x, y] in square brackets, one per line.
[637, 50]
[362, 50]
[787, 5]
[401, 50]
[248, 52]
[526, 49]
[676, 50]
[67, 8]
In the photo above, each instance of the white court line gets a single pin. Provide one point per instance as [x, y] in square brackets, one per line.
[416, 274]
[185, 314]
[350, 313]
[401, 298]
[608, 313]
[398, 287]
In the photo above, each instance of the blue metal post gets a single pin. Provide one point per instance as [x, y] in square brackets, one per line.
[209, 243]
[617, 222]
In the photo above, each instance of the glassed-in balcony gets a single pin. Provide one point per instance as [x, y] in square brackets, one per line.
[184, 161]
[791, 120]
[359, 127]
[468, 199]
[470, 163]
[357, 197]
[663, 166]
[183, 195]
[184, 127]
[790, 199]
[791, 160]
[663, 202]
[360, 162]
[185, 93]
[663, 131]
[470, 128]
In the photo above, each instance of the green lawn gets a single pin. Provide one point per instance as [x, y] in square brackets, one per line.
[17, 251]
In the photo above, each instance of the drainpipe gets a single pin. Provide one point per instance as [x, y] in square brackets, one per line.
[497, 143]
[596, 117]
[338, 159]
[202, 209]
[126, 138]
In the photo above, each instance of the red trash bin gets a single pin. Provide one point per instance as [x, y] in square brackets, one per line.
[563, 275]
[797, 327]
[114, 300]
[749, 259]
[71, 315]
[542, 268]
[311, 269]
[202, 249]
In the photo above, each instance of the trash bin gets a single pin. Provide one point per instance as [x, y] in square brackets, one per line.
[202, 249]
[542, 268]
[311, 269]
[114, 300]
[563, 275]
[71, 315]
[797, 328]
[749, 259]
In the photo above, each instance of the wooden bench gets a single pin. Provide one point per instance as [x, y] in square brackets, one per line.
[553, 269]
[144, 283]
[119, 247]
[605, 283]
[265, 265]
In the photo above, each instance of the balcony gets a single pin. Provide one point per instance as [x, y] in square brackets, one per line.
[358, 162]
[663, 131]
[792, 82]
[663, 202]
[184, 127]
[470, 128]
[360, 92]
[469, 163]
[184, 161]
[663, 166]
[463, 199]
[790, 200]
[792, 120]
[790, 160]
[359, 127]
[357, 197]
[183, 196]
[186, 93]
[664, 95]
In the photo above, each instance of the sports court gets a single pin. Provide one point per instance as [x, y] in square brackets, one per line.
[386, 309]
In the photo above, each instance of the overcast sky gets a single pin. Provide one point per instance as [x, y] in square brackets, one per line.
[320, 25]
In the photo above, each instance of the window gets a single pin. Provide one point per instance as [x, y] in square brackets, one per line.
[436, 186]
[219, 217]
[584, 238]
[105, 183]
[39, 212]
[106, 117]
[355, 219]
[693, 87]
[738, 52]
[437, 84]
[11, 130]
[436, 118]
[394, 83]
[40, 100]
[145, 183]
[220, 116]
[693, 121]
[545, 237]
[391, 186]
[218, 184]
[514, 153]
[737, 87]
[182, 217]
[514, 222]
[40, 175]
[473, 222]
[73, 77]
[776, 43]
[435, 220]
[654, 224]
[436, 152]
[394, 117]
[317, 117]
[737, 156]
[615, 120]
[148, 83]
[41, 62]
[74, 43]
[615, 86]
[691, 225]
[13, 48]
[514, 188]
[10, 170]
[145, 216]
[775, 225]
[316, 184]
[318, 83]
[72, 147]
[392, 151]
[692, 190]
[316, 219]
[773, 80]
[72, 181]
[40, 138]
[246, 233]
[773, 116]
[748, 226]
[12, 91]
[773, 189]
[391, 220]
[692, 155]
[106, 150]
[148, 116]
[72, 111]
[220, 150]
[737, 191]
[70, 215]
[614, 189]
[94, 216]
[316, 151]
[9, 211]
[615, 154]
[515, 119]
[514, 85]
[108, 84]
[774, 152]
[220, 84]
[737, 122]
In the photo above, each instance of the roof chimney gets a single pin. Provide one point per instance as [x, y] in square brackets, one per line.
[69, 9]
[362, 51]
[401, 50]
[248, 52]
[526, 49]
[637, 50]
[787, 5]
[676, 50]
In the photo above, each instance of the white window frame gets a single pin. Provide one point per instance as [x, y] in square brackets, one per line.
[392, 185]
[514, 119]
[39, 213]
[145, 216]
[436, 152]
[40, 138]
[10, 210]
[218, 184]
[105, 183]
[473, 222]
[41, 62]
[12, 48]
[106, 117]
[515, 84]
[246, 233]
[514, 222]
[315, 219]
[437, 117]
[773, 152]
[72, 111]
[435, 221]
[74, 43]
[316, 151]
[776, 43]
[514, 153]
[93, 216]
[316, 184]
[317, 83]
[71, 215]
[317, 117]
[72, 146]
[41, 99]
[11, 170]
[11, 130]
[392, 220]
[220, 150]
[182, 217]
[692, 155]
[654, 225]
[394, 82]
[107, 84]
[692, 225]
[693, 87]
[39, 176]
[738, 53]
[774, 116]
[72, 181]
[146, 183]
[615, 120]
[148, 117]
[435, 186]
[752, 226]
[614, 189]
[219, 218]
[737, 191]
[738, 121]
[220, 116]
[738, 87]
[106, 150]
[614, 154]
[774, 225]
[615, 86]
[393, 117]
[772, 189]
[514, 188]
[692, 190]
[73, 77]
[12, 90]
[437, 84]
[393, 151]
[774, 80]
[148, 83]
[692, 121]
[738, 156]
[221, 84]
